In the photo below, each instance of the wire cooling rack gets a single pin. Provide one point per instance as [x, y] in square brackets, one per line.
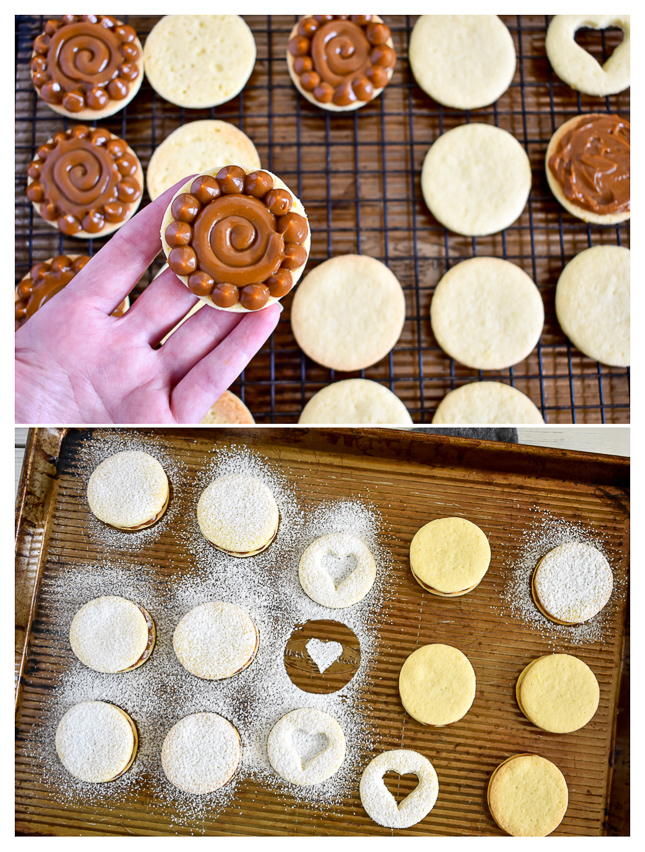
[358, 175]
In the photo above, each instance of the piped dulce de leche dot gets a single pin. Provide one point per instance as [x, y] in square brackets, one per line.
[24, 289]
[49, 211]
[73, 101]
[130, 51]
[278, 201]
[231, 180]
[324, 93]
[80, 131]
[114, 211]
[225, 295]
[51, 26]
[299, 46]
[363, 88]
[125, 33]
[309, 80]
[37, 270]
[182, 260]
[344, 94]
[185, 207]
[44, 151]
[201, 283]
[93, 221]
[128, 190]
[80, 263]
[60, 263]
[126, 166]
[377, 33]
[99, 137]
[117, 89]
[36, 192]
[294, 228]
[378, 76]
[116, 147]
[129, 71]
[307, 27]
[205, 189]
[279, 283]
[52, 92]
[294, 256]
[178, 234]
[258, 184]
[302, 64]
[384, 56]
[96, 98]
[68, 224]
[361, 20]
[254, 296]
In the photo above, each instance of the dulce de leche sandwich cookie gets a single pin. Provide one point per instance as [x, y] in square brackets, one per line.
[527, 796]
[381, 805]
[486, 402]
[306, 747]
[96, 741]
[129, 491]
[201, 753]
[87, 66]
[340, 62]
[558, 693]
[572, 583]
[47, 278]
[449, 557]
[319, 584]
[437, 685]
[588, 167]
[215, 640]
[112, 634]
[85, 182]
[238, 238]
[238, 515]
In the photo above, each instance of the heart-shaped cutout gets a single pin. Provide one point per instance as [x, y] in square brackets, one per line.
[324, 654]
[400, 786]
[308, 746]
[338, 567]
[599, 44]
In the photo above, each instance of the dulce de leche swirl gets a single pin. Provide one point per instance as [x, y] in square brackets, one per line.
[590, 161]
[342, 59]
[85, 61]
[235, 238]
[46, 279]
[84, 180]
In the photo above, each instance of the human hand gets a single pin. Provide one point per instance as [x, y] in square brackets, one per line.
[75, 363]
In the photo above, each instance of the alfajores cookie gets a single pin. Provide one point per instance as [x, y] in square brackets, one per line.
[340, 62]
[487, 313]
[527, 796]
[476, 179]
[437, 685]
[462, 61]
[47, 278]
[129, 491]
[196, 147]
[85, 181]
[348, 313]
[87, 67]
[201, 753]
[215, 640]
[449, 557]
[318, 580]
[381, 805]
[96, 741]
[199, 61]
[112, 635]
[593, 306]
[237, 237]
[558, 693]
[486, 402]
[238, 514]
[588, 167]
[355, 402]
[306, 747]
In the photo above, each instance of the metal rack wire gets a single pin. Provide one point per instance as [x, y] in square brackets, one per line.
[358, 175]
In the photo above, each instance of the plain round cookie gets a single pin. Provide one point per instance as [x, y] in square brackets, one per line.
[486, 402]
[487, 313]
[318, 584]
[128, 490]
[462, 61]
[195, 148]
[96, 741]
[527, 796]
[380, 804]
[572, 583]
[449, 556]
[111, 634]
[215, 640]
[198, 61]
[576, 66]
[305, 767]
[355, 402]
[348, 313]
[238, 514]
[437, 685]
[558, 693]
[476, 179]
[558, 192]
[592, 303]
[230, 409]
[201, 753]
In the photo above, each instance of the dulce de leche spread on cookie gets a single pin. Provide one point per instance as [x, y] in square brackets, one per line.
[235, 238]
[342, 59]
[45, 279]
[591, 164]
[85, 61]
[84, 180]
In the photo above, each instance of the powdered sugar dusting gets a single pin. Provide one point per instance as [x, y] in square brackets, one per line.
[573, 582]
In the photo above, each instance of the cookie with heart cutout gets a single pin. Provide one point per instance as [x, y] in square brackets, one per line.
[381, 805]
[306, 747]
[318, 583]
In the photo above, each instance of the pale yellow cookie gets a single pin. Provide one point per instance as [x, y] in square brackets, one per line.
[355, 402]
[558, 693]
[195, 148]
[487, 313]
[437, 685]
[215, 640]
[449, 556]
[527, 796]
[486, 403]
[129, 491]
[462, 61]
[198, 61]
[201, 753]
[111, 634]
[576, 66]
[592, 303]
[476, 179]
[348, 313]
[96, 741]
[229, 409]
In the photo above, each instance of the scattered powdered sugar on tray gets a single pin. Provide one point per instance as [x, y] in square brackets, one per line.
[323, 653]
[161, 691]
[547, 532]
